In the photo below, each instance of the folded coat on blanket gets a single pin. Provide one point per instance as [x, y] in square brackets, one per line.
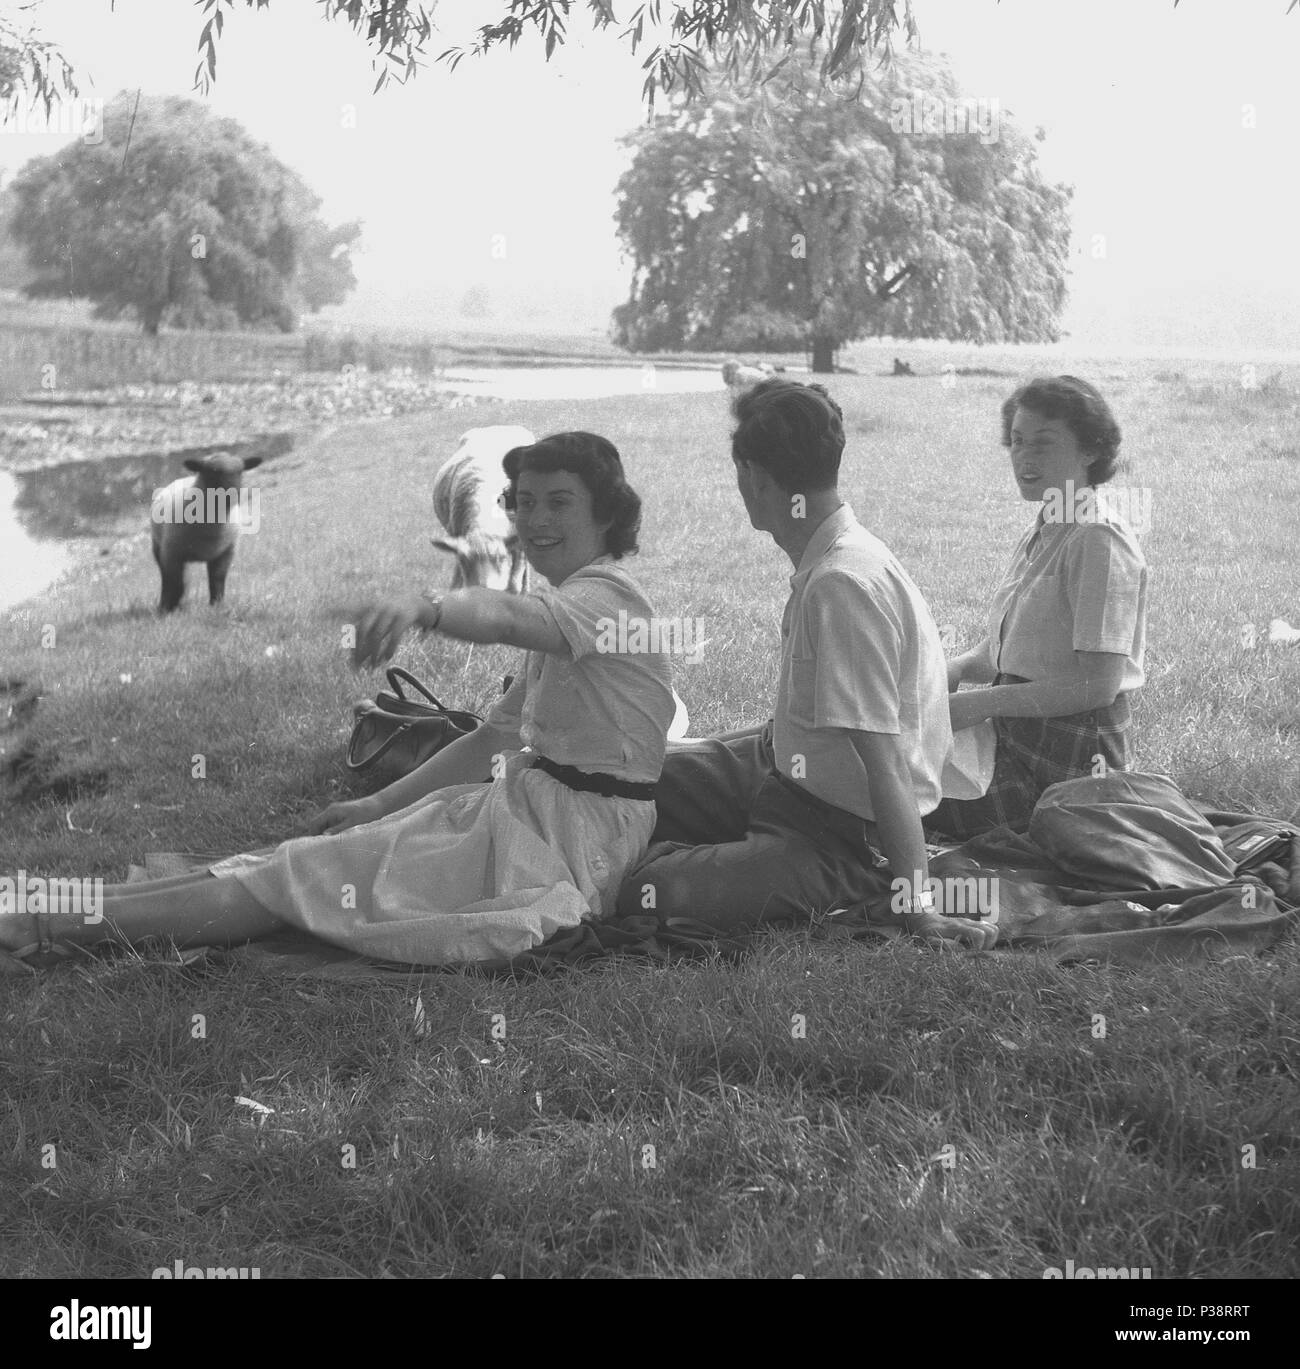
[1125, 867]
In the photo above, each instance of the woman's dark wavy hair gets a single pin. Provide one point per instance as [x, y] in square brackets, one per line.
[1081, 408]
[794, 431]
[596, 462]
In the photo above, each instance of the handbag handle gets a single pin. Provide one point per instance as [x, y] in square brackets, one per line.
[396, 674]
[350, 760]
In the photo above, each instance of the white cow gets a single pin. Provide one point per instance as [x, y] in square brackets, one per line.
[467, 500]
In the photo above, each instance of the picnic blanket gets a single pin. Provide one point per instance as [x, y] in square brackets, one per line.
[1122, 867]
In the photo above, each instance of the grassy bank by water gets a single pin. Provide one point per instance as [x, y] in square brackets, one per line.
[819, 1108]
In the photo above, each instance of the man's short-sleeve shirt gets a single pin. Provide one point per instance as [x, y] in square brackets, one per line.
[860, 651]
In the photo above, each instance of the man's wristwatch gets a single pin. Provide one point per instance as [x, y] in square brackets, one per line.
[922, 906]
[437, 613]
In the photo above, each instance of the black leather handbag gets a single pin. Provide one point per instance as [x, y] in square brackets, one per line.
[393, 735]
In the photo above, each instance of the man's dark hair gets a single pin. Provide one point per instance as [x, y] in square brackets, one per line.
[1083, 411]
[596, 462]
[794, 431]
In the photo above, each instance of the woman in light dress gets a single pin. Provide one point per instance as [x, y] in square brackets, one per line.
[445, 865]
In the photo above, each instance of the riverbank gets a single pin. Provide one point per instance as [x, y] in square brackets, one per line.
[51, 428]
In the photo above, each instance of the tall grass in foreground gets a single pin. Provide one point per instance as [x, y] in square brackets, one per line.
[820, 1107]
[943, 1116]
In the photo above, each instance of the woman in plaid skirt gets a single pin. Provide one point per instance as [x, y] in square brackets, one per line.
[1067, 628]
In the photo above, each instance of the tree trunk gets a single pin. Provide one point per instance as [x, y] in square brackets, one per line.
[823, 355]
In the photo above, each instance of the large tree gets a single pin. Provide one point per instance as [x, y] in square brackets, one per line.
[181, 218]
[780, 214]
[325, 273]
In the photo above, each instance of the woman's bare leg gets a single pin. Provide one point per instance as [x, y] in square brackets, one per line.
[162, 882]
[198, 873]
[191, 910]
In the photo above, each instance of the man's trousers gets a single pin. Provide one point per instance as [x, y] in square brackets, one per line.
[737, 844]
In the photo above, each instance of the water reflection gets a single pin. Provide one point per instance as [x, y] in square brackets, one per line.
[27, 565]
[578, 382]
[86, 498]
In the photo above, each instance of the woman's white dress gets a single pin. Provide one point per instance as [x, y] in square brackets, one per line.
[486, 871]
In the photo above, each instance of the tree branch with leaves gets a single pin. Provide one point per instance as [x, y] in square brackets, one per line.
[32, 69]
[681, 42]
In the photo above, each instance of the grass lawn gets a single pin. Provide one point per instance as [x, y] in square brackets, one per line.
[821, 1108]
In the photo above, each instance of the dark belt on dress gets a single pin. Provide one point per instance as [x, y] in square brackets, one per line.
[609, 786]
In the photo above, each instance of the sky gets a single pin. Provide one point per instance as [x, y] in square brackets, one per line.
[1178, 129]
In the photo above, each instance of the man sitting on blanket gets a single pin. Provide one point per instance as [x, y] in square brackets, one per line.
[783, 821]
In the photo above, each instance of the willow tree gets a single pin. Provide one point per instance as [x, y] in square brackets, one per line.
[772, 215]
[177, 217]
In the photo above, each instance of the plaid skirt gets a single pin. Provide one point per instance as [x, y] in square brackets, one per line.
[1032, 754]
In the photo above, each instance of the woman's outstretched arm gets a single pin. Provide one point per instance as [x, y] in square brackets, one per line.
[473, 615]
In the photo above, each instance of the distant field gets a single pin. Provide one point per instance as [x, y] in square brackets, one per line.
[642, 1119]
[57, 345]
